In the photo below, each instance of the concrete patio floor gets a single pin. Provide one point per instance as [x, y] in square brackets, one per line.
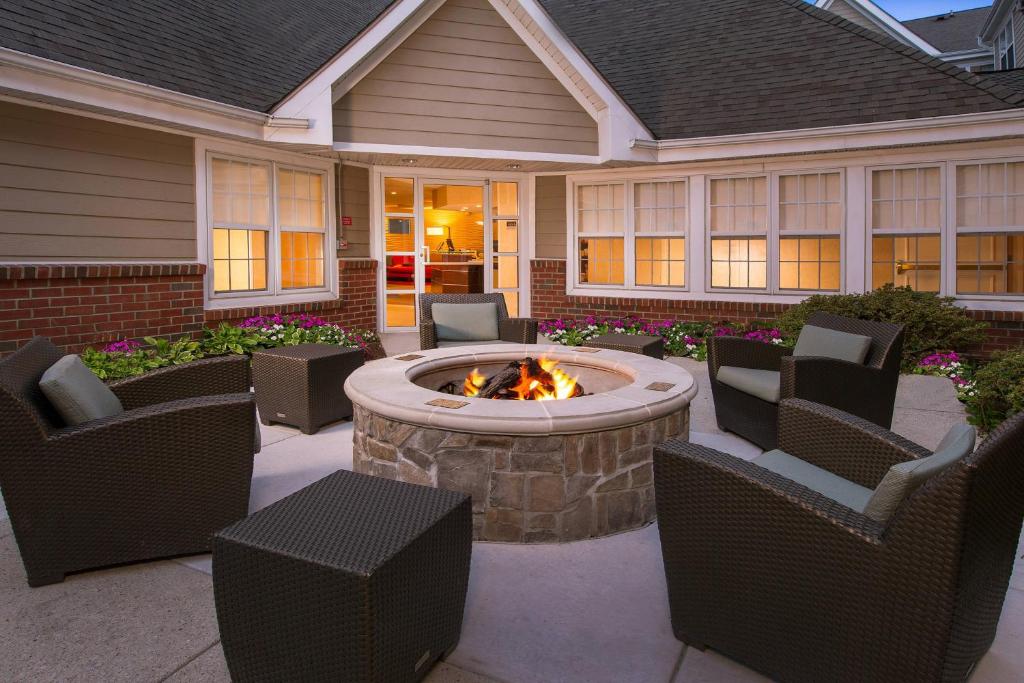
[590, 611]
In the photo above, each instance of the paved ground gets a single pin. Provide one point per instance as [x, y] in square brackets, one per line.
[591, 611]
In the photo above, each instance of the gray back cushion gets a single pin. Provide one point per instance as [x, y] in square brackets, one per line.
[825, 343]
[76, 393]
[903, 479]
[465, 322]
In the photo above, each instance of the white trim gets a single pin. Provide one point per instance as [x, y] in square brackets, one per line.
[34, 77]
[203, 148]
[885, 21]
[941, 129]
[995, 20]
[420, 150]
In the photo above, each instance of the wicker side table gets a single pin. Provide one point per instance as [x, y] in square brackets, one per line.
[303, 385]
[630, 343]
[353, 578]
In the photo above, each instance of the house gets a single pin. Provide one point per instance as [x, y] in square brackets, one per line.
[951, 36]
[165, 166]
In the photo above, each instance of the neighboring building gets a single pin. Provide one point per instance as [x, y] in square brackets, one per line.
[1003, 30]
[952, 37]
[165, 166]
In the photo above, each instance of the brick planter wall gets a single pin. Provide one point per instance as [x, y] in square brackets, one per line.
[89, 305]
[549, 300]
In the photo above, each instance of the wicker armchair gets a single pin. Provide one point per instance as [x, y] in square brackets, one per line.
[868, 390]
[513, 330]
[801, 588]
[155, 481]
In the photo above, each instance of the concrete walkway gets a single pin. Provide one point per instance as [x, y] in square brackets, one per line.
[591, 611]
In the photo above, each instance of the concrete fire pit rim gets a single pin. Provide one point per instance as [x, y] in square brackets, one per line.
[386, 387]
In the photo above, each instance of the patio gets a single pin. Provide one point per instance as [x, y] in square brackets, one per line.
[593, 610]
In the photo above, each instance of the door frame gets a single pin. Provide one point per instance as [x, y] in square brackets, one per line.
[423, 176]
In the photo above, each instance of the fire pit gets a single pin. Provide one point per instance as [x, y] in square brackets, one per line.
[560, 449]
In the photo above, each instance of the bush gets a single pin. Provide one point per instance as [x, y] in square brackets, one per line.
[933, 323]
[128, 358]
[998, 390]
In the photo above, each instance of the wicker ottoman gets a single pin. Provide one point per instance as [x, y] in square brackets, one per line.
[354, 578]
[631, 343]
[303, 385]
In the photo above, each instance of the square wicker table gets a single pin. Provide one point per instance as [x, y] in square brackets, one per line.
[353, 578]
[630, 343]
[303, 385]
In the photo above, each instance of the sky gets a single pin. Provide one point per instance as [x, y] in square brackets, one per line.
[912, 9]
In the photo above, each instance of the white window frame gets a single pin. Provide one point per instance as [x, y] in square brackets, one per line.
[709, 235]
[953, 230]
[777, 233]
[1003, 46]
[629, 235]
[274, 295]
[941, 231]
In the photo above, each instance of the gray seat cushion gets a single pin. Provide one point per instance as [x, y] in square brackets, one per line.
[815, 478]
[764, 384]
[76, 393]
[903, 479]
[446, 344]
[824, 343]
[465, 322]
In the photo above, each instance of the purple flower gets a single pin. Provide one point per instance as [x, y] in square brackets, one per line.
[123, 346]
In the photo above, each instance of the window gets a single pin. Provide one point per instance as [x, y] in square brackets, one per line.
[906, 223]
[990, 228]
[259, 246]
[1004, 48]
[601, 231]
[660, 220]
[738, 221]
[810, 222]
[505, 243]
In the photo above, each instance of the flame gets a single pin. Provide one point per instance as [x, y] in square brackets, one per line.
[551, 384]
[474, 382]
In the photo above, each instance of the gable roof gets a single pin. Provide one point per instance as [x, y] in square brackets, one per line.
[686, 68]
[247, 53]
[952, 31]
[1011, 78]
[696, 68]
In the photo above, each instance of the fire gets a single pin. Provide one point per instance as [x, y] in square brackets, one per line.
[526, 380]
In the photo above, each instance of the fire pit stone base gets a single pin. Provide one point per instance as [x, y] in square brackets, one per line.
[527, 489]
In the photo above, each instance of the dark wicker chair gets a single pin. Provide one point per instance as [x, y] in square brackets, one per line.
[514, 330]
[801, 588]
[155, 481]
[868, 390]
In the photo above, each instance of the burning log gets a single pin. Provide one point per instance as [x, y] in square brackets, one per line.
[526, 380]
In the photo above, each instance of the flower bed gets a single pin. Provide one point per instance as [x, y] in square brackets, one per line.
[684, 339]
[128, 358]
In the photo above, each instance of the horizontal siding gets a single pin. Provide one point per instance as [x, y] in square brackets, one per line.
[550, 225]
[79, 188]
[355, 203]
[465, 79]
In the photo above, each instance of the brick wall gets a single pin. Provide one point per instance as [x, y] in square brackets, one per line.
[549, 300]
[89, 305]
[77, 306]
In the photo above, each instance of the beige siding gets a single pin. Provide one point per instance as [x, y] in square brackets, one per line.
[76, 188]
[355, 203]
[465, 79]
[550, 219]
[844, 10]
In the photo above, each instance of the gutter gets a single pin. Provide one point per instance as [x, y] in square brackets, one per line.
[1007, 115]
[87, 77]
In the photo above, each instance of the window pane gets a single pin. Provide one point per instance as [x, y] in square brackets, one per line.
[505, 199]
[739, 205]
[302, 260]
[399, 235]
[400, 310]
[512, 303]
[398, 195]
[601, 261]
[240, 194]
[809, 201]
[660, 262]
[910, 261]
[600, 209]
[506, 236]
[239, 260]
[990, 264]
[660, 207]
[506, 272]
[906, 199]
[300, 199]
[809, 263]
[739, 262]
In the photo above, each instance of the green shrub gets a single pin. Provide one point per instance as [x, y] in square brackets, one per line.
[128, 359]
[933, 323]
[998, 390]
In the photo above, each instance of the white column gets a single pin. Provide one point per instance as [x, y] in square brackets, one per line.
[697, 256]
[858, 245]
